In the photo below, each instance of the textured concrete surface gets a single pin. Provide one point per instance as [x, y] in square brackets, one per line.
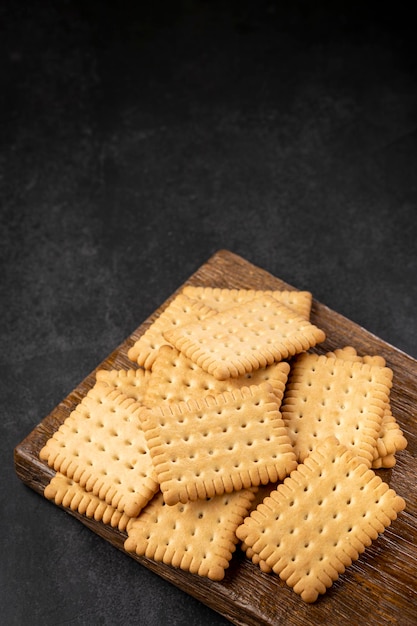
[137, 141]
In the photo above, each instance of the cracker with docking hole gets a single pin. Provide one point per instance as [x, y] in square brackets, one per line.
[133, 383]
[332, 396]
[218, 444]
[242, 339]
[391, 438]
[175, 378]
[223, 298]
[102, 447]
[199, 537]
[69, 494]
[320, 519]
[180, 311]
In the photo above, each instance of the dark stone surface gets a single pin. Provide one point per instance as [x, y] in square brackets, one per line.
[136, 140]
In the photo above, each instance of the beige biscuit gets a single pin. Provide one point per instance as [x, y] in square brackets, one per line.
[347, 352]
[67, 493]
[175, 378]
[391, 438]
[199, 537]
[180, 311]
[241, 339]
[224, 298]
[102, 447]
[218, 444]
[320, 519]
[133, 383]
[333, 396]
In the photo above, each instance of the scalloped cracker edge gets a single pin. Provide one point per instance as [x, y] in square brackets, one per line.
[67, 493]
[223, 298]
[133, 383]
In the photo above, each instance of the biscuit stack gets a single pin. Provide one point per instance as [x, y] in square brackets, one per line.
[226, 396]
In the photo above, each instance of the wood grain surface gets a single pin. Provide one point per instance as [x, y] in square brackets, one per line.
[380, 588]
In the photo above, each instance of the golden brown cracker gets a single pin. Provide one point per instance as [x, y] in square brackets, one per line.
[223, 298]
[199, 537]
[391, 438]
[218, 444]
[333, 396]
[102, 447]
[176, 378]
[67, 493]
[180, 311]
[241, 339]
[320, 519]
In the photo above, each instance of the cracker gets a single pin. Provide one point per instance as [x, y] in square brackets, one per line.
[218, 444]
[327, 396]
[199, 537]
[175, 378]
[67, 493]
[180, 311]
[241, 339]
[102, 447]
[320, 519]
[391, 438]
[133, 383]
[224, 298]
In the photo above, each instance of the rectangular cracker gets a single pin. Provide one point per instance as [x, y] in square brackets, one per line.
[67, 493]
[199, 537]
[246, 337]
[218, 444]
[180, 311]
[332, 396]
[133, 383]
[320, 519]
[223, 298]
[176, 378]
[102, 447]
[391, 438]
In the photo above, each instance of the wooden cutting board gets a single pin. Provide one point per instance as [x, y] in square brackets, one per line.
[381, 587]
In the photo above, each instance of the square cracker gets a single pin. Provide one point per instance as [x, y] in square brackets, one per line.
[67, 493]
[320, 519]
[391, 438]
[176, 378]
[332, 396]
[180, 311]
[223, 298]
[133, 383]
[199, 537]
[241, 339]
[218, 444]
[102, 447]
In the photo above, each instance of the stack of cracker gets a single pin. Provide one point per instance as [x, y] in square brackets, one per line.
[225, 396]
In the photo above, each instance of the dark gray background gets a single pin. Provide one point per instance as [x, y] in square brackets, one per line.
[136, 140]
